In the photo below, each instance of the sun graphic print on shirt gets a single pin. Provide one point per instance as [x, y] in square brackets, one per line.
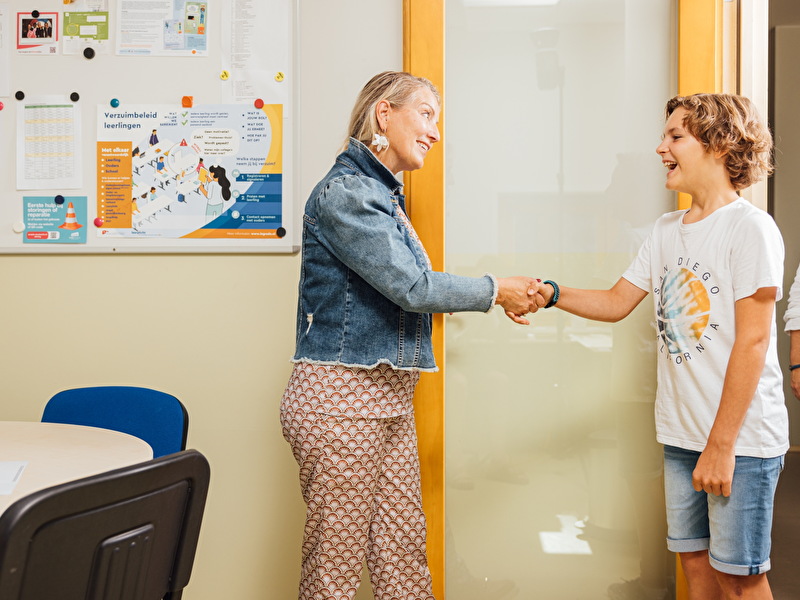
[683, 312]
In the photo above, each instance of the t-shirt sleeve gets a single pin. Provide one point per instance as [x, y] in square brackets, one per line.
[792, 315]
[639, 273]
[757, 257]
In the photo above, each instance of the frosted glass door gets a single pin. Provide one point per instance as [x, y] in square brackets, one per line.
[553, 112]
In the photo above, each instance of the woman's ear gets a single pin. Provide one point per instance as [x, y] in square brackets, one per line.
[382, 110]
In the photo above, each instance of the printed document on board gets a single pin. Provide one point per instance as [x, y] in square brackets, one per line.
[48, 144]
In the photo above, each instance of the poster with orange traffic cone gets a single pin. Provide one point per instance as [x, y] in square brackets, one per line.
[54, 219]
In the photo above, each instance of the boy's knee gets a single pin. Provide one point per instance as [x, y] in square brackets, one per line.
[736, 586]
[695, 562]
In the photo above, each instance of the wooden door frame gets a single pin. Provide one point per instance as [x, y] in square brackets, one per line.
[423, 55]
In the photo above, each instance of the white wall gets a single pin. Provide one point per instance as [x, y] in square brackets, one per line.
[216, 331]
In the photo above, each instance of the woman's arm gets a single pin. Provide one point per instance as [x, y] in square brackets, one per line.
[754, 314]
[792, 319]
[354, 221]
[794, 359]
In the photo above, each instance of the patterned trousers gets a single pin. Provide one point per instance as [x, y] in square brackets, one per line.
[360, 481]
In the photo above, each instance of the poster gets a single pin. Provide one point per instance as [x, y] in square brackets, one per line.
[162, 28]
[37, 33]
[54, 220]
[85, 29]
[248, 49]
[212, 172]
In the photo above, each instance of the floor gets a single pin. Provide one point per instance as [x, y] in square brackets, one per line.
[784, 577]
[559, 554]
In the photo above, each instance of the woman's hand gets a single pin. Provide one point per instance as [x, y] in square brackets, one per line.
[519, 296]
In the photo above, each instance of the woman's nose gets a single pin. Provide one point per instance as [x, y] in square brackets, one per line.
[434, 134]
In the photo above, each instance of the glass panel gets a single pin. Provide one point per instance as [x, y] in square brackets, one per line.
[553, 112]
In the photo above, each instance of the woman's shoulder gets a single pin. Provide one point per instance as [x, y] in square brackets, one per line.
[348, 193]
[352, 184]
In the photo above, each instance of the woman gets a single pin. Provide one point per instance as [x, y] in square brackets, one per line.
[216, 191]
[363, 336]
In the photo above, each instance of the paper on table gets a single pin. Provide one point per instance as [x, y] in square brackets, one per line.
[10, 472]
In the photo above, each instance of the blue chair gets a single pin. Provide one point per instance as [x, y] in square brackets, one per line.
[156, 417]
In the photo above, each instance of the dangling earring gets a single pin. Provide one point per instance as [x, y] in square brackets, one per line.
[380, 142]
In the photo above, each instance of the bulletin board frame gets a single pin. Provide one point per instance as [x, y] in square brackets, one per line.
[82, 174]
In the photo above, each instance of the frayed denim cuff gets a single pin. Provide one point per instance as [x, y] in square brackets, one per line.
[495, 290]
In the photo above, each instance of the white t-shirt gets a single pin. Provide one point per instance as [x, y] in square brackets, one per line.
[792, 315]
[696, 273]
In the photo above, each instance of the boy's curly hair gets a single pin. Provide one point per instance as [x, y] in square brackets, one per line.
[730, 125]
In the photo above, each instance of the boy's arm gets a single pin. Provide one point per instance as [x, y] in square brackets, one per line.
[599, 305]
[714, 470]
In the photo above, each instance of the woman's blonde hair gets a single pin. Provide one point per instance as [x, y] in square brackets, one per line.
[730, 125]
[396, 87]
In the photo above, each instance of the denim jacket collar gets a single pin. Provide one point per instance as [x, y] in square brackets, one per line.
[360, 158]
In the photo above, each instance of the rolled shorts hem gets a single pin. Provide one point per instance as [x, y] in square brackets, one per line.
[698, 544]
[688, 545]
[730, 569]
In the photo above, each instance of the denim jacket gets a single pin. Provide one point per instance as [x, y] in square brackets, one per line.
[366, 286]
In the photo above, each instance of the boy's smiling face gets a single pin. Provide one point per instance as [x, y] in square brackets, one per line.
[689, 164]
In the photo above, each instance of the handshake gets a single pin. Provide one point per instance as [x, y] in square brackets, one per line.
[522, 295]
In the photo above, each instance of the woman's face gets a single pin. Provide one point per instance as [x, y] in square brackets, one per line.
[411, 131]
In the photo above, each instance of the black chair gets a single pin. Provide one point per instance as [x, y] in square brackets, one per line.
[128, 534]
[156, 417]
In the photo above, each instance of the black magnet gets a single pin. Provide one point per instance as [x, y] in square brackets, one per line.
[88, 52]
[35, 14]
[59, 199]
[74, 96]
[19, 95]
[280, 232]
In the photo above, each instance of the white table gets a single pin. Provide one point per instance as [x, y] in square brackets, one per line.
[149, 210]
[58, 453]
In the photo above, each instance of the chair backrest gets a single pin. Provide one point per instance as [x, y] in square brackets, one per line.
[156, 417]
[128, 534]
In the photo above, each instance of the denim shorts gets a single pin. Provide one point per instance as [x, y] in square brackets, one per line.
[735, 530]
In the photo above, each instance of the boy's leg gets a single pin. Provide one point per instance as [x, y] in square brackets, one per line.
[745, 587]
[706, 583]
[741, 528]
[701, 579]
[727, 538]
[688, 531]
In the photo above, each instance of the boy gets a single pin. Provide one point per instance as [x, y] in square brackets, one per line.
[715, 271]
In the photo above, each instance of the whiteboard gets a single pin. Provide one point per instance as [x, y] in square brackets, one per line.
[114, 146]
